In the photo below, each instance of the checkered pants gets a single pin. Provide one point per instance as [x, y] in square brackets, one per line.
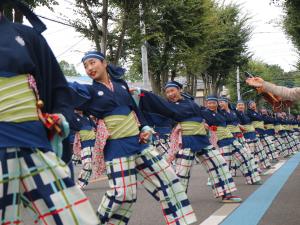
[86, 170]
[296, 143]
[257, 150]
[288, 145]
[116, 205]
[213, 163]
[40, 181]
[234, 165]
[297, 135]
[281, 145]
[269, 146]
[162, 146]
[236, 152]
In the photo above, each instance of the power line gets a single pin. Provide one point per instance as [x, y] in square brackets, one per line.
[72, 46]
[56, 21]
[57, 31]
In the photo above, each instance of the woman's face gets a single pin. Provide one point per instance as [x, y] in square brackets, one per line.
[223, 104]
[240, 107]
[95, 68]
[252, 106]
[212, 105]
[173, 94]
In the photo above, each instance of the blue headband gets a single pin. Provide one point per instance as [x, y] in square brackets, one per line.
[250, 102]
[173, 84]
[223, 99]
[93, 55]
[240, 101]
[211, 98]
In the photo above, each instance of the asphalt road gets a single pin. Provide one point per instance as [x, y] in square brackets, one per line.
[284, 210]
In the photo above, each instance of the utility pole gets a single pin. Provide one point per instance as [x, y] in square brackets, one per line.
[146, 83]
[238, 86]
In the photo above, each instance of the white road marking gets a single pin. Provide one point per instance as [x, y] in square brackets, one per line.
[277, 166]
[219, 215]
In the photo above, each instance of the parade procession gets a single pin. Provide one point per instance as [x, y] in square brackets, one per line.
[141, 143]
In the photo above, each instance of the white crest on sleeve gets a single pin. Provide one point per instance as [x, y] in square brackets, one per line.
[20, 40]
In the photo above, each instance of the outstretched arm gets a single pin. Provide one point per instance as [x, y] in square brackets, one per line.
[285, 93]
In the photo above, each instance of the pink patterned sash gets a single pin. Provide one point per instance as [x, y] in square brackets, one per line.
[77, 145]
[175, 142]
[102, 135]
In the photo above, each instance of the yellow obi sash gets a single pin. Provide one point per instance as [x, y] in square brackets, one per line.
[222, 133]
[279, 127]
[17, 100]
[121, 126]
[269, 126]
[234, 129]
[249, 128]
[86, 135]
[258, 125]
[192, 128]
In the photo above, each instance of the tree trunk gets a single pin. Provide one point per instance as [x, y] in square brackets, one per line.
[121, 37]
[18, 16]
[96, 31]
[155, 83]
[216, 84]
[188, 82]
[194, 85]
[8, 12]
[205, 83]
[104, 26]
[173, 74]
[164, 78]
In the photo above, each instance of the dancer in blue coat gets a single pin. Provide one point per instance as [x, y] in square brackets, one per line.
[34, 102]
[121, 138]
[194, 139]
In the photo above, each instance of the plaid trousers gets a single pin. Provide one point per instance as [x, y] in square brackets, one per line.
[236, 152]
[288, 144]
[86, 170]
[281, 145]
[213, 163]
[296, 142]
[269, 146]
[162, 146]
[235, 165]
[257, 150]
[40, 181]
[116, 205]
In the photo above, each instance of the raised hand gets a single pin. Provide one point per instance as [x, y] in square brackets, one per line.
[255, 82]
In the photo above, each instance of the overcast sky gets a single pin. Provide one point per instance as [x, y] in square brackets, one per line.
[268, 42]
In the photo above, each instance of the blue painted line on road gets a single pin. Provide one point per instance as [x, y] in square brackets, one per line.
[252, 210]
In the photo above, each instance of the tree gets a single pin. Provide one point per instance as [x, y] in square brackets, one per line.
[184, 37]
[93, 20]
[68, 69]
[227, 45]
[291, 21]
